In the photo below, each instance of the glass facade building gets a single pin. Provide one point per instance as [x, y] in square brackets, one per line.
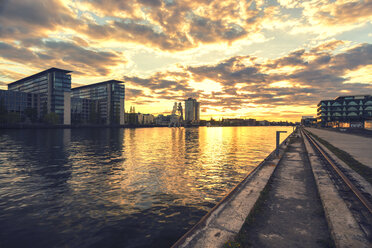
[19, 103]
[107, 105]
[192, 111]
[83, 111]
[345, 111]
[53, 87]
[47, 95]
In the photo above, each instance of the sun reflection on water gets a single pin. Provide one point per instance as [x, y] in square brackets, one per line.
[189, 164]
[136, 187]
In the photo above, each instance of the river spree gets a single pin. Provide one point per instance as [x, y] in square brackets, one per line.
[141, 187]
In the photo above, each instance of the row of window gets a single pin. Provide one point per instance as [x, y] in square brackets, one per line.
[344, 109]
[352, 103]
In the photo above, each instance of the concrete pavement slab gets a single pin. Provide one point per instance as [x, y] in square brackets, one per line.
[291, 214]
[360, 148]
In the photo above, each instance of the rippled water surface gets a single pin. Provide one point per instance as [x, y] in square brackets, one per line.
[119, 187]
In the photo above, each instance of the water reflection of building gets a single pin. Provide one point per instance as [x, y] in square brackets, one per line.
[43, 155]
[105, 104]
[192, 111]
[53, 89]
[191, 141]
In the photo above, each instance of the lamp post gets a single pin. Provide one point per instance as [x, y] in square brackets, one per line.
[278, 141]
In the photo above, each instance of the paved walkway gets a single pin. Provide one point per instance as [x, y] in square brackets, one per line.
[292, 214]
[357, 146]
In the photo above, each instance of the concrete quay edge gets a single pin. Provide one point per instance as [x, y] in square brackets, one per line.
[366, 186]
[225, 220]
[343, 227]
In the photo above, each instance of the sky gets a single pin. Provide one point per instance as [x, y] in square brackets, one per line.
[272, 60]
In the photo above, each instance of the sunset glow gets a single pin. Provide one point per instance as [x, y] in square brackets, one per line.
[271, 60]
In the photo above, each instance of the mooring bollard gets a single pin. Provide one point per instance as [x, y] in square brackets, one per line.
[278, 141]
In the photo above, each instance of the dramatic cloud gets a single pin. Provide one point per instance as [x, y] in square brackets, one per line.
[245, 55]
[33, 18]
[338, 12]
[247, 83]
[62, 54]
[133, 94]
[173, 25]
[161, 87]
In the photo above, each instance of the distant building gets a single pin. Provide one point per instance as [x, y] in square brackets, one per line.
[53, 87]
[238, 122]
[308, 121]
[250, 122]
[147, 119]
[192, 111]
[163, 120]
[345, 111]
[106, 105]
[263, 123]
[132, 119]
[140, 119]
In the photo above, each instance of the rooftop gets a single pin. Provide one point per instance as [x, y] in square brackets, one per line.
[97, 84]
[355, 97]
[39, 74]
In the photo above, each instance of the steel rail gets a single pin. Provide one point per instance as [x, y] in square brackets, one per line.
[346, 180]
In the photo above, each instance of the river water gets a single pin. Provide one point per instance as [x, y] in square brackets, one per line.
[141, 187]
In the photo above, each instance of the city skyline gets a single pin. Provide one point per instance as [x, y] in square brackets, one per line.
[257, 59]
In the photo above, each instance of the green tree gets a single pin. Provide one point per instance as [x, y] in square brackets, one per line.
[93, 114]
[116, 115]
[3, 112]
[51, 118]
[31, 113]
[99, 120]
[12, 118]
[44, 111]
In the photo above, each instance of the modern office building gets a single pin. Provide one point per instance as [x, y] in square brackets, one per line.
[22, 105]
[345, 111]
[84, 111]
[46, 97]
[53, 87]
[192, 111]
[106, 105]
[309, 121]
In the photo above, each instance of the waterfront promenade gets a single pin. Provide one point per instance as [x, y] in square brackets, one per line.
[291, 214]
[359, 147]
[301, 202]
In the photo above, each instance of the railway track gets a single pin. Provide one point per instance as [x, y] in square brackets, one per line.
[358, 201]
